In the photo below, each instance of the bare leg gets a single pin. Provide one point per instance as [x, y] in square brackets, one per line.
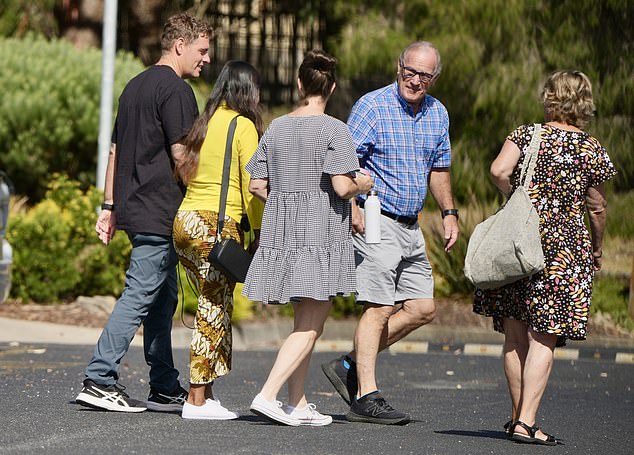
[367, 340]
[539, 362]
[515, 350]
[296, 393]
[401, 322]
[310, 316]
[198, 393]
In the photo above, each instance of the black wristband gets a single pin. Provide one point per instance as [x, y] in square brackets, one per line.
[453, 212]
[105, 206]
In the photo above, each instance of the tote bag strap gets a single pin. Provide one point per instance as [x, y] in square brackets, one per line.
[226, 168]
[530, 160]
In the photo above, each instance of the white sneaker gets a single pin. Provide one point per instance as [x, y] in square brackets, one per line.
[211, 410]
[309, 416]
[272, 410]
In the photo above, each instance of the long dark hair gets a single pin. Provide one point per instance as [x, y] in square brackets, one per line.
[238, 85]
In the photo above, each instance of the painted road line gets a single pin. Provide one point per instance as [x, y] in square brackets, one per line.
[418, 347]
[566, 354]
[624, 357]
[490, 350]
[333, 346]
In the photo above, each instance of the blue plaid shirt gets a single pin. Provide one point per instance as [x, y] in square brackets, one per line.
[400, 148]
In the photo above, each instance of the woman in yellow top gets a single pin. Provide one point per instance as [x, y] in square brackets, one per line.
[235, 94]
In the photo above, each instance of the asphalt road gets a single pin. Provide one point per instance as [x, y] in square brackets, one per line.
[459, 404]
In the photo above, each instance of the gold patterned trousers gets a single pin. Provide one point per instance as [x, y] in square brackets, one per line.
[210, 351]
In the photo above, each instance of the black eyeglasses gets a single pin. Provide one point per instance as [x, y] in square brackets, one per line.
[408, 73]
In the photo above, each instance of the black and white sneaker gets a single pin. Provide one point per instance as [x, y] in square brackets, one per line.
[109, 398]
[372, 408]
[342, 374]
[172, 402]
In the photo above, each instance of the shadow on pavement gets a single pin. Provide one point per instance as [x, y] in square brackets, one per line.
[491, 434]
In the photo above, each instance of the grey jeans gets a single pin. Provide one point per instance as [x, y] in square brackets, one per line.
[150, 297]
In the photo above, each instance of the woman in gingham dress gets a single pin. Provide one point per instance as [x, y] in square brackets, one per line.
[236, 94]
[304, 168]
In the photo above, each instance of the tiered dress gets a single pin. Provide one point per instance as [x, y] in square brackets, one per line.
[306, 239]
[556, 300]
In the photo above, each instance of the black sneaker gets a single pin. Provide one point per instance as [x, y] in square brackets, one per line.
[171, 402]
[372, 408]
[109, 398]
[343, 379]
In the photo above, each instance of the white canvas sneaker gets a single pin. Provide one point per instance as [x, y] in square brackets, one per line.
[272, 410]
[211, 410]
[309, 416]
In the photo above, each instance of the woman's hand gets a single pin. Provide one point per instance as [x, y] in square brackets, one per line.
[358, 224]
[597, 258]
[259, 188]
[347, 186]
[365, 182]
[253, 246]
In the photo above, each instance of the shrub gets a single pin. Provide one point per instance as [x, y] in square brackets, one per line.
[610, 296]
[57, 255]
[343, 307]
[50, 110]
[448, 268]
[42, 269]
[619, 223]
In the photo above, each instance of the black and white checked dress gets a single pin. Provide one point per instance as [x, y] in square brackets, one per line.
[306, 242]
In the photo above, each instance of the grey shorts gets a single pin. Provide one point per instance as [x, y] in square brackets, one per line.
[395, 270]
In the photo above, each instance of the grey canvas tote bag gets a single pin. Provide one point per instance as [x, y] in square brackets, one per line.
[507, 247]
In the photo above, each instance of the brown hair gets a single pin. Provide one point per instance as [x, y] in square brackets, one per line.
[183, 26]
[238, 86]
[317, 74]
[567, 97]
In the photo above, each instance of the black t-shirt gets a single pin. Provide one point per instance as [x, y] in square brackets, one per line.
[156, 109]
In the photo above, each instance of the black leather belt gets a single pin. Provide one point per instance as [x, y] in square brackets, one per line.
[408, 220]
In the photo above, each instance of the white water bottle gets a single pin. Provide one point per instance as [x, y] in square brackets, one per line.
[372, 215]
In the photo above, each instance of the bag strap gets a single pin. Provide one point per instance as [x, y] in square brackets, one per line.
[226, 168]
[530, 158]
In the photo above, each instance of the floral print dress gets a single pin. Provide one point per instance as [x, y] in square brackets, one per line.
[556, 300]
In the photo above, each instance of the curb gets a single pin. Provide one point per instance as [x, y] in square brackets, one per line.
[337, 337]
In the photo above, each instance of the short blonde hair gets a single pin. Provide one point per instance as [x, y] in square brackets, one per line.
[567, 97]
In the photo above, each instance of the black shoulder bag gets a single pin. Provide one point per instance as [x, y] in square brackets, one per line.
[227, 255]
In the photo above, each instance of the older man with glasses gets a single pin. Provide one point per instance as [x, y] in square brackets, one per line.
[402, 139]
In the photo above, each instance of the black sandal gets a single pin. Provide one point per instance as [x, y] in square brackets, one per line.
[531, 439]
[509, 427]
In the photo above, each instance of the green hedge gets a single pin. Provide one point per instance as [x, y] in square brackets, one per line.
[56, 253]
[58, 257]
[50, 110]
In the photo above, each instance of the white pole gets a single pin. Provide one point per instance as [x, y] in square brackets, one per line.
[107, 82]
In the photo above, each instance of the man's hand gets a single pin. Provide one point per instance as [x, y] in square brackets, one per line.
[450, 225]
[106, 226]
[358, 225]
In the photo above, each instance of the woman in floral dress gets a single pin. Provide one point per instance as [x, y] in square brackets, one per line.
[542, 311]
